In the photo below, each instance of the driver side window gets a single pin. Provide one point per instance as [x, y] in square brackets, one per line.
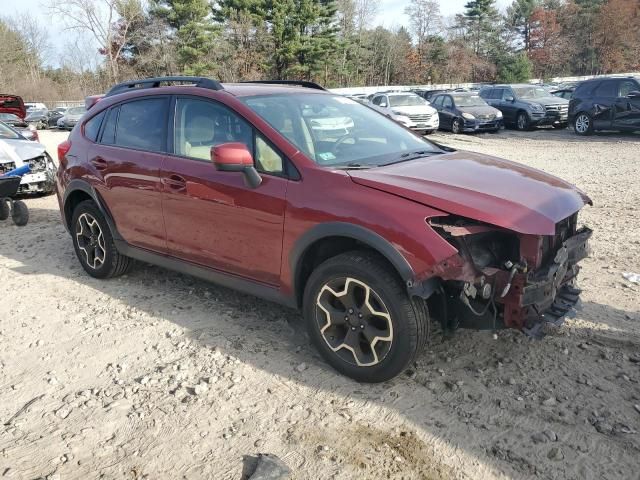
[447, 103]
[626, 87]
[200, 125]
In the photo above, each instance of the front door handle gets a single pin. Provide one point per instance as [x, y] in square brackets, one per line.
[100, 163]
[175, 183]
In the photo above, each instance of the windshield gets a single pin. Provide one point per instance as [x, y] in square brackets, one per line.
[337, 131]
[36, 112]
[469, 101]
[406, 100]
[76, 111]
[531, 92]
[8, 133]
[8, 117]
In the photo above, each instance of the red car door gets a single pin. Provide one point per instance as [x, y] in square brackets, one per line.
[212, 218]
[128, 159]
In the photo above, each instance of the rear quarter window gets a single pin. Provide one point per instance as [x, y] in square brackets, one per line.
[92, 126]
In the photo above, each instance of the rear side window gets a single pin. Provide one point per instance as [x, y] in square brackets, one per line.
[486, 92]
[376, 100]
[496, 94]
[142, 124]
[92, 127]
[447, 103]
[607, 89]
[626, 87]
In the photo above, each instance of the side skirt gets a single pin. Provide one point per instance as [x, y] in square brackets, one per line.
[233, 282]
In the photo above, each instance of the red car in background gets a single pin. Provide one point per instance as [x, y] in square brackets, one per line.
[373, 231]
[12, 104]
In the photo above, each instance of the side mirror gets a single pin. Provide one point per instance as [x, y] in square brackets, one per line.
[509, 99]
[236, 157]
[634, 94]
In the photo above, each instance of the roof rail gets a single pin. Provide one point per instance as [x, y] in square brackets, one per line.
[299, 83]
[155, 82]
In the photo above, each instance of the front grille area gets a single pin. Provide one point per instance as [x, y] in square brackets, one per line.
[557, 108]
[420, 117]
[486, 117]
[7, 167]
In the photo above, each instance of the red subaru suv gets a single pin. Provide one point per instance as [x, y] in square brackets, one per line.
[310, 199]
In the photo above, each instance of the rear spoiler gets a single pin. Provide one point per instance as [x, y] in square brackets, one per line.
[91, 100]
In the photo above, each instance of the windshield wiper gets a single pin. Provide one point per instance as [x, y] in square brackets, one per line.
[405, 157]
[352, 166]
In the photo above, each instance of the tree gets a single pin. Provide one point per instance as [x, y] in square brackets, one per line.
[98, 18]
[617, 36]
[193, 32]
[548, 46]
[514, 69]
[519, 19]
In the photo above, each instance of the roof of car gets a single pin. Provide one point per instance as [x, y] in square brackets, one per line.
[247, 89]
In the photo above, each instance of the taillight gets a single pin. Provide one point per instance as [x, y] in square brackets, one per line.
[63, 149]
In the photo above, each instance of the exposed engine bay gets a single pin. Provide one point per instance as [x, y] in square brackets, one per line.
[503, 279]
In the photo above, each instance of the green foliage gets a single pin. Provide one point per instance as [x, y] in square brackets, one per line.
[194, 32]
[514, 69]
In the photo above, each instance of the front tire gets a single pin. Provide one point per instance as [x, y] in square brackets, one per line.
[583, 124]
[522, 122]
[361, 319]
[456, 126]
[93, 243]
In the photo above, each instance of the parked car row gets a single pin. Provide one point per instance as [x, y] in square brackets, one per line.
[604, 103]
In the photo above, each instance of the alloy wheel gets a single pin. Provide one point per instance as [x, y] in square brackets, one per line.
[582, 123]
[522, 121]
[354, 322]
[455, 126]
[90, 240]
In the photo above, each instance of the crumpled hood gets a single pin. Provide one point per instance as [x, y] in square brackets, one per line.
[480, 187]
[19, 151]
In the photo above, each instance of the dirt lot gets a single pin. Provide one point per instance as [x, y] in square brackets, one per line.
[158, 375]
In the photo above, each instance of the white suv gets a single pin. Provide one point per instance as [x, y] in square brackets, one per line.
[409, 109]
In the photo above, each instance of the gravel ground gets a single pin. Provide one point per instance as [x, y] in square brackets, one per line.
[159, 375]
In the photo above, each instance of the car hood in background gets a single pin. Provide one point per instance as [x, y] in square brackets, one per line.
[480, 187]
[481, 110]
[550, 100]
[414, 110]
[19, 150]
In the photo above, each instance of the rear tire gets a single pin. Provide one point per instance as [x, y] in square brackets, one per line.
[357, 299]
[20, 213]
[5, 211]
[583, 124]
[93, 243]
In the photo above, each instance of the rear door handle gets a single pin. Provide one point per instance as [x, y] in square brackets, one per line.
[100, 163]
[175, 183]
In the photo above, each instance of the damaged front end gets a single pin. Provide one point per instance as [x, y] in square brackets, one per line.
[503, 279]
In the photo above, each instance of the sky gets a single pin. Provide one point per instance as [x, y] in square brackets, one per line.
[390, 14]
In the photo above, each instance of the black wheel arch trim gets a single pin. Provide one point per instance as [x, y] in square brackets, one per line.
[85, 187]
[361, 234]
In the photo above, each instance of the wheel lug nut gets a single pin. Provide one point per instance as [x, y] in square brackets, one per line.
[346, 317]
[359, 315]
[351, 310]
[353, 328]
[362, 326]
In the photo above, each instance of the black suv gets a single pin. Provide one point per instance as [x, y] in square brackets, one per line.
[606, 104]
[526, 106]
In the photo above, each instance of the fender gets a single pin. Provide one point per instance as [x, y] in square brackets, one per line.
[84, 186]
[363, 235]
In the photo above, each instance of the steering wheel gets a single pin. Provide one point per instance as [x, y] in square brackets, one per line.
[341, 140]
